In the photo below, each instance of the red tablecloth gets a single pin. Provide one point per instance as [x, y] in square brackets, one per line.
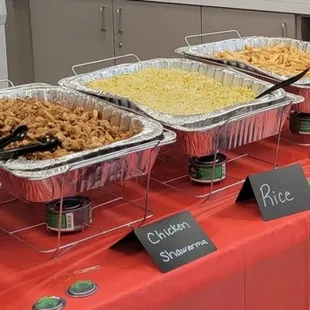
[258, 265]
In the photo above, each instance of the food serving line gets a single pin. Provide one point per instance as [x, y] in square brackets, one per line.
[117, 191]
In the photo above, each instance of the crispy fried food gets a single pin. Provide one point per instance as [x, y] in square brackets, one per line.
[78, 129]
[281, 59]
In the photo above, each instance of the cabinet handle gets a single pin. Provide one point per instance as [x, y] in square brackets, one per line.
[284, 29]
[119, 19]
[103, 26]
[120, 28]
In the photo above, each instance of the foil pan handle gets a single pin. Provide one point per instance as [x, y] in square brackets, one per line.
[102, 60]
[211, 34]
[23, 87]
[289, 100]
[295, 99]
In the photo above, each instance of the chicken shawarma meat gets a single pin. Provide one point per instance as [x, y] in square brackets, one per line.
[77, 129]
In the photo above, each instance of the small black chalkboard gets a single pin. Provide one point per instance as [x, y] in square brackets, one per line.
[174, 241]
[278, 192]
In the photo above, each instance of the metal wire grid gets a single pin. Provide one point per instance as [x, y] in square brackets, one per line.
[167, 182]
[106, 202]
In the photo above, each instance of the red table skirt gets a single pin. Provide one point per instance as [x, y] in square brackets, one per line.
[258, 266]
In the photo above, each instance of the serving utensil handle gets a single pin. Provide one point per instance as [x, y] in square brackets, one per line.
[284, 83]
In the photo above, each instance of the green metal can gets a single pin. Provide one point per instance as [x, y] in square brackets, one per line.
[83, 288]
[49, 303]
[201, 168]
[76, 214]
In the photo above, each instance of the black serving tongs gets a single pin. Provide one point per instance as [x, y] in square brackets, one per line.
[43, 145]
[284, 83]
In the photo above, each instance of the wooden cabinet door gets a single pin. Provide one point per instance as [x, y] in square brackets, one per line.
[68, 32]
[248, 23]
[152, 30]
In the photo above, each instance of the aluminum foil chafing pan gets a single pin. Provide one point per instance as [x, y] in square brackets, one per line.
[43, 185]
[148, 129]
[200, 140]
[299, 90]
[206, 51]
[223, 75]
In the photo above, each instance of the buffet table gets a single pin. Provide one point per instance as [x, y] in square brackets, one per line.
[82, 173]
[258, 265]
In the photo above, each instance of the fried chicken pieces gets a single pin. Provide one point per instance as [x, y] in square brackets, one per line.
[78, 129]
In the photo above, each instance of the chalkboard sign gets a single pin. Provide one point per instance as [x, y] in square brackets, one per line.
[278, 192]
[174, 241]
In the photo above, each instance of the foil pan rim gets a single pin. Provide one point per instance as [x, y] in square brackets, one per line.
[286, 102]
[75, 82]
[151, 130]
[253, 73]
[190, 51]
[23, 86]
[168, 136]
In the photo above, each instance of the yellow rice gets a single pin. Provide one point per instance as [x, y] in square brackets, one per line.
[174, 91]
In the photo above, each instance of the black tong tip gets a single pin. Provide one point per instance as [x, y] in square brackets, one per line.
[45, 144]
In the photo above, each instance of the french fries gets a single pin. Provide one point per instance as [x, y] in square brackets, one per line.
[281, 59]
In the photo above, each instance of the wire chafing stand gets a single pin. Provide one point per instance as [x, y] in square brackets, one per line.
[64, 243]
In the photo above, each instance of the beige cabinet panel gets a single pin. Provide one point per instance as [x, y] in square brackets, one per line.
[67, 32]
[152, 30]
[247, 23]
[18, 42]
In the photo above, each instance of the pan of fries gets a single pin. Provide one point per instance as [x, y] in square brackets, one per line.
[284, 60]
[271, 59]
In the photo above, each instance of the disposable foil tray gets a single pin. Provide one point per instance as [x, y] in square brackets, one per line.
[43, 180]
[147, 129]
[206, 51]
[84, 175]
[297, 89]
[200, 140]
[225, 76]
